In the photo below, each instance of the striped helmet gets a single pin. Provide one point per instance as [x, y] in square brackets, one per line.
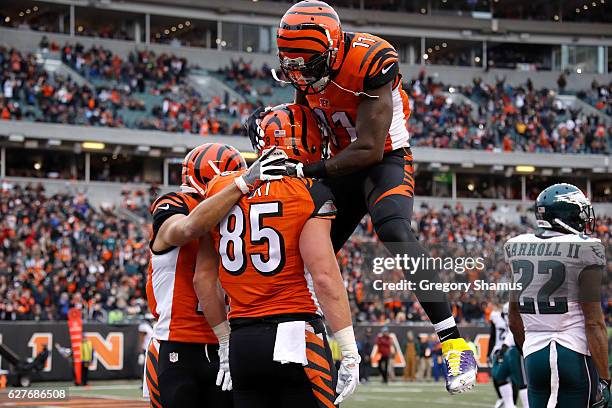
[310, 45]
[296, 130]
[205, 162]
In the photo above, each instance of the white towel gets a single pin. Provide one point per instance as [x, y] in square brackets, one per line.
[290, 344]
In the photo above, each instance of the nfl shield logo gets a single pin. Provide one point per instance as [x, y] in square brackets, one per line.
[324, 103]
[173, 357]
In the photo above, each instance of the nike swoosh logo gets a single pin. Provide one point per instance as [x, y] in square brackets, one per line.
[385, 70]
[164, 207]
[445, 337]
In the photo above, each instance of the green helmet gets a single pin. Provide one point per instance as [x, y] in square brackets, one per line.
[564, 208]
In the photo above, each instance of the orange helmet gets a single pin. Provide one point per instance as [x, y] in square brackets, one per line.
[296, 130]
[310, 45]
[205, 162]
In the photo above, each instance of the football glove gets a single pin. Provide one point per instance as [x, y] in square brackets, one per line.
[602, 399]
[270, 166]
[348, 377]
[295, 170]
[224, 378]
[253, 129]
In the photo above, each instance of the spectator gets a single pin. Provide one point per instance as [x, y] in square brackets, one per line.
[365, 346]
[384, 342]
[425, 359]
[411, 350]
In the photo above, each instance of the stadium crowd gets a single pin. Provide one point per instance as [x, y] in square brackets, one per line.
[58, 251]
[499, 116]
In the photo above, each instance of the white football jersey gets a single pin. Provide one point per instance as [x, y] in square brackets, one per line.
[548, 267]
[501, 329]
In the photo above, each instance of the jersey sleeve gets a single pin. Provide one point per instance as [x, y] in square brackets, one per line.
[165, 207]
[323, 200]
[382, 66]
[593, 253]
[219, 182]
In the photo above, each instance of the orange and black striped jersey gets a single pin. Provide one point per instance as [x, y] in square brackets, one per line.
[170, 293]
[369, 62]
[260, 267]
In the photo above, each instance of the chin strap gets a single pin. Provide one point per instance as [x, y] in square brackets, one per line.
[567, 227]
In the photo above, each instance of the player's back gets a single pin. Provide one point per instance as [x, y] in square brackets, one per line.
[548, 267]
[260, 265]
[369, 62]
[170, 293]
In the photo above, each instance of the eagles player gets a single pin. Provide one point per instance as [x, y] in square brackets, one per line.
[557, 318]
[499, 330]
[509, 368]
[353, 84]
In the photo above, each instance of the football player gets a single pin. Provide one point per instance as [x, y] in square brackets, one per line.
[499, 330]
[556, 318]
[278, 354]
[352, 82]
[182, 362]
[509, 368]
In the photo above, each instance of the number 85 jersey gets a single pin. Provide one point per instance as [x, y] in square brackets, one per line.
[260, 266]
[369, 62]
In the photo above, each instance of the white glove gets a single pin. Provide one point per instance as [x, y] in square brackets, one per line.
[348, 374]
[348, 377]
[295, 170]
[224, 378]
[270, 166]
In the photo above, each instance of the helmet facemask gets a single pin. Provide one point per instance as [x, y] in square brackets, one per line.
[313, 76]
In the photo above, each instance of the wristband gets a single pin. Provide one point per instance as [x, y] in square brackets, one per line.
[222, 331]
[242, 185]
[316, 170]
[346, 341]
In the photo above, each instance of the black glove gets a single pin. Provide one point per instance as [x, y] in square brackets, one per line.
[602, 400]
[252, 129]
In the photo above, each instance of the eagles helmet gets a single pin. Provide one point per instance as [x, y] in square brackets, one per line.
[564, 208]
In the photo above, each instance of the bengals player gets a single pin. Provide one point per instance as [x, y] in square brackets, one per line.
[352, 82]
[278, 353]
[182, 363]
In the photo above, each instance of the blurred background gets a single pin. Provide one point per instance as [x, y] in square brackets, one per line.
[101, 99]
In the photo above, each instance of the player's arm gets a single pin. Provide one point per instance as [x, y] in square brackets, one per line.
[212, 300]
[319, 258]
[374, 116]
[180, 229]
[492, 339]
[595, 326]
[516, 323]
[206, 282]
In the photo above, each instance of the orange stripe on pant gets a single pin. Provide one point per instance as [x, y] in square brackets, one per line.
[151, 376]
[319, 371]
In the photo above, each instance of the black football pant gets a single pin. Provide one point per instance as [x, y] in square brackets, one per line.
[261, 382]
[386, 192]
[187, 373]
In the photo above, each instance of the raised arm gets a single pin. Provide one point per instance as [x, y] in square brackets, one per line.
[180, 229]
[374, 116]
[516, 323]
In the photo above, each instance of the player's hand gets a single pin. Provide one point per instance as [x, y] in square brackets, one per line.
[270, 166]
[348, 377]
[602, 399]
[224, 378]
[253, 129]
[295, 170]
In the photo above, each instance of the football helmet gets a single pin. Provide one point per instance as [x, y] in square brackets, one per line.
[310, 45]
[294, 129]
[205, 162]
[564, 208]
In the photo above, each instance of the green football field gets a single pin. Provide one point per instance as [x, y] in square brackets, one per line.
[372, 395]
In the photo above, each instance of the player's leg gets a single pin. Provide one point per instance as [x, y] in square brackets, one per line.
[209, 391]
[517, 374]
[389, 190]
[501, 375]
[178, 366]
[577, 378]
[349, 200]
[150, 387]
[538, 370]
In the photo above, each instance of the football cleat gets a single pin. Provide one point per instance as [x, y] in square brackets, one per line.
[461, 366]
